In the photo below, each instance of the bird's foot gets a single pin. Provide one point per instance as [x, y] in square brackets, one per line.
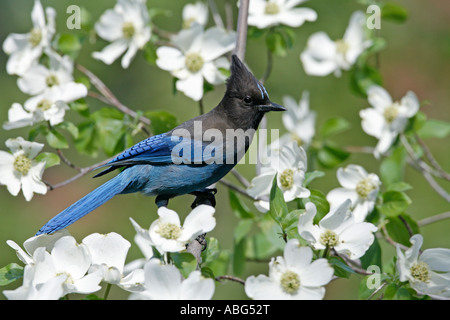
[205, 196]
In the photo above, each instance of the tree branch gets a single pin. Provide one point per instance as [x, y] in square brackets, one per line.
[109, 96]
[241, 30]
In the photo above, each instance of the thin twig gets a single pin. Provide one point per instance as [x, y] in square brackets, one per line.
[215, 14]
[436, 218]
[229, 15]
[240, 178]
[241, 30]
[104, 90]
[424, 169]
[269, 66]
[235, 188]
[67, 161]
[82, 172]
[377, 290]
[430, 157]
[231, 278]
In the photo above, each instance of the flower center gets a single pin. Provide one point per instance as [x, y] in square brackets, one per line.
[194, 62]
[297, 139]
[169, 231]
[364, 188]
[290, 282]
[35, 37]
[287, 179]
[188, 22]
[271, 8]
[329, 238]
[390, 113]
[22, 164]
[342, 46]
[420, 271]
[44, 105]
[52, 80]
[128, 30]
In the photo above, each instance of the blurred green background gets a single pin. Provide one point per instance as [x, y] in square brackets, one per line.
[416, 58]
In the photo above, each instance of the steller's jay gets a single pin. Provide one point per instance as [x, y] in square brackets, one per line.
[183, 160]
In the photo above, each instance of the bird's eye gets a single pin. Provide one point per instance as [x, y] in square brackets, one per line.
[247, 99]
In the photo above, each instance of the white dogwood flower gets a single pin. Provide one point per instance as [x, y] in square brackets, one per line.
[19, 171]
[165, 282]
[292, 277]
[324, 56]
[337, 230]
[25, 49]
[268, 13]
[289, 165]
[168, 235]
[49, 290]
[386, 119]
[427, 272]
[194, 13]
[197, 57]
[40, 78]
[126, 26]
[358, 186]
[49, 106]
[108, 253]
[299, 121]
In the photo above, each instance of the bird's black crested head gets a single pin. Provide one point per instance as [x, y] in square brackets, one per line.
[246, 99]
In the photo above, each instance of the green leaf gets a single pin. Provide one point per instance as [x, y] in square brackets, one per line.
[330, 156]
[364, 77]
[50, 159]
[242, 229]
[278, 208]
[56, 140]
[394, 203]
[341, 269]
[239, 208]
[80, 106]
[10, 273]
[86, 143]
[394, 12]
[150, 53]
[70, 44]
[239, 257]
[279, 40]
[372, 256]
[265, 243]
[434, 129]
[399, 186]
[110, 130]
[392, 167]
[334, 126]
[310, 176]
[185, 262]
[212, 251]
[207, 272]
[401, 228]
[161, 121]
[34, 132]
[69, 127]
[321, 203]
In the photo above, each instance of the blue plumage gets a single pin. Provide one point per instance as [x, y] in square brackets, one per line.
[170, 164]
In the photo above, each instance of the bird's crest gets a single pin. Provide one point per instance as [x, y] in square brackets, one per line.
[242, 79]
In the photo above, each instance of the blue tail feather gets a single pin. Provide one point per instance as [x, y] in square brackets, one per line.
[83, 206]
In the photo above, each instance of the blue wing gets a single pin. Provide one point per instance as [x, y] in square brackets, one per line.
[161, 149]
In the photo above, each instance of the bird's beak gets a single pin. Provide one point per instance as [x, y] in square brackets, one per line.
[271, 107]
